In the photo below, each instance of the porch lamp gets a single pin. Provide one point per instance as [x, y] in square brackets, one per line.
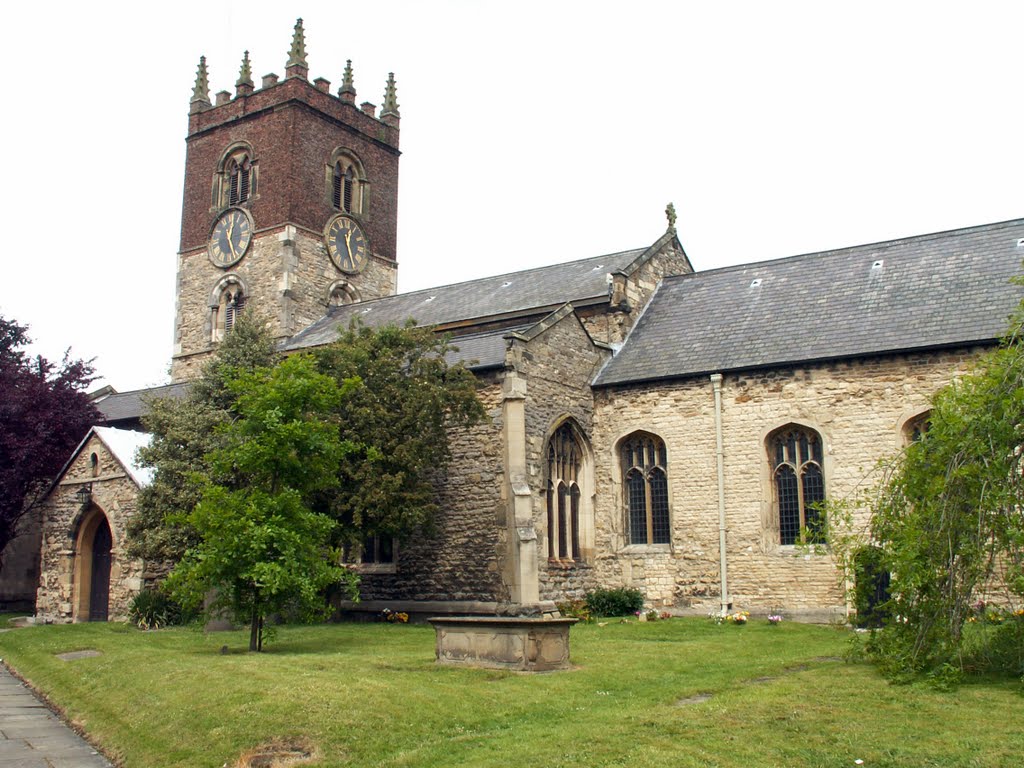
[84, 494]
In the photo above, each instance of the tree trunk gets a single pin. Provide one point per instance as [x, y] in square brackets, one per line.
[255, 629]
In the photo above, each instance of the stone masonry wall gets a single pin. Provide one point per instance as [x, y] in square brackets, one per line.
[859, 409]
[113, 494]
[286, 275]
[610, 324]
[558, 366]
[462, 560]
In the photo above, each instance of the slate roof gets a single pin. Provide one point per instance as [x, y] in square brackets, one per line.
[930, 291]
[481, 350]
[533, 291]
[124, 406]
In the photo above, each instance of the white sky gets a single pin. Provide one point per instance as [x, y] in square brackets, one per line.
[532, 132]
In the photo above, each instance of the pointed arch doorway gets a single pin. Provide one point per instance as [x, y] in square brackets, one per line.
[93, 549]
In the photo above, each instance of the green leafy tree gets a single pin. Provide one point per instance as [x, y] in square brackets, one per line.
[185, 432]
[261, 548]
[948, 518]
[397, 419]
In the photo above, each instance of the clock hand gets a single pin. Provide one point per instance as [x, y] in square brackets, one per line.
[348, 247]
[231, 238]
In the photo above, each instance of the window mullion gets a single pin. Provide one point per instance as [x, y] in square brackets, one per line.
[650, 508]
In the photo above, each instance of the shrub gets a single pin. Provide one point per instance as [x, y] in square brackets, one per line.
[619, 601]
[575, 609]
[153, 609]
[871, 587]
[996, 643]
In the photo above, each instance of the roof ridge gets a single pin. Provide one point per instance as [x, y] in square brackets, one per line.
[928, 236]
[506, 274]
[146, 389]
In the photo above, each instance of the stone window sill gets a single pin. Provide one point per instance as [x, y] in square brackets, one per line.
[565, 565]
[647, 549]
[807, 551]
[371, 568]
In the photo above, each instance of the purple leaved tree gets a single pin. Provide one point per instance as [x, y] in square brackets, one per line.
[44, 413]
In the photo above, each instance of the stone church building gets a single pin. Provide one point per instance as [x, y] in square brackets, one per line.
[650, 426]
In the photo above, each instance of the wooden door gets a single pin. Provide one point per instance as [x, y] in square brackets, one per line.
[99, 593]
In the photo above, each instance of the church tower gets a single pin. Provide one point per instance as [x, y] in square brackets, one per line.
[290, 204]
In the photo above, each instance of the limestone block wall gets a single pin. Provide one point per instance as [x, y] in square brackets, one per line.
[611, 325]
[286, 275]
[462, 559]
[62, 595]
[642, 283]
[558, 365]
[858, 407]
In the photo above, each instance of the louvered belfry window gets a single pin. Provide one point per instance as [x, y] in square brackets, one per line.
[645, 478]
[796, 458]
[565, 457]
[232, 308]
[239, 172]
[344, 188]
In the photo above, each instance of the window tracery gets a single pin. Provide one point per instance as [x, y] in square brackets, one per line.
[798, 479]
[347, 186]
[235, 180]
[645, 481]
[564, 466]
[228, 303]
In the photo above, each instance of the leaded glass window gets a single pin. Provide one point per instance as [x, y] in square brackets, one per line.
[796, 456]
[644, 469]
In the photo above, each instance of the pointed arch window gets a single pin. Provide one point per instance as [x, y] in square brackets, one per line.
[916, 428]
[796, 457]
[564, 468]
[645, 478]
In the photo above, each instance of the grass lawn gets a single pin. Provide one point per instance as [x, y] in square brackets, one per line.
[371, 695]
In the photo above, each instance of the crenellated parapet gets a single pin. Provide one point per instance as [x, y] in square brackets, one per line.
[274, 91]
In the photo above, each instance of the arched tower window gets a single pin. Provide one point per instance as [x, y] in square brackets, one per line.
[229, 299]
[564, 472]
[238, 180]
[645, 480]
[343, 189]
[235, 180]
[796, 457]
[340, 293]
[348, 188]
[94, 465]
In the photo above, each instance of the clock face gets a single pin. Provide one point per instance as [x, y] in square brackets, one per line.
[230, 237]
[346, 244]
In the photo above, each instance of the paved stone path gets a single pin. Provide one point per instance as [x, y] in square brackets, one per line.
[31, 736]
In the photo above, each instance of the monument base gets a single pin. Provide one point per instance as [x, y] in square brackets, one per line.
[526, 644]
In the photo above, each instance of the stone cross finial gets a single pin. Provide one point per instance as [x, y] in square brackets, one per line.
[347, 92]
[297, 54]
[670, 212]
[245, 72]
[390, 108]
[201, 90]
